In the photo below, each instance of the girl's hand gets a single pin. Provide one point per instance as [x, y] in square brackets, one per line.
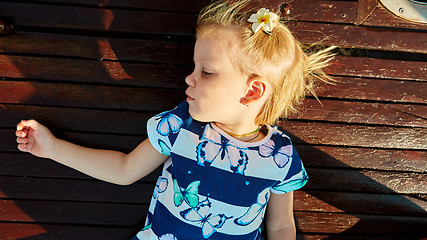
[35, 138]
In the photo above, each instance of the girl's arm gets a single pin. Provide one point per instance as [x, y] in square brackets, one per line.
[280, 221]
[111, 166]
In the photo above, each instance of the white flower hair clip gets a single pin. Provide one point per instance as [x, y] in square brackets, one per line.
[263, 19]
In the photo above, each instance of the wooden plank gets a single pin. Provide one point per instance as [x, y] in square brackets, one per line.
[106, 141]
[60, 119]
[300, 132]
[19, 164]
[96, 191]
[129, 122]
[78, 70]
[11, 231]
[98, 19]
[378, 68]
[324, 11]
[363, 158]
[309, 236]
[181, 6]
[58, 212]
[93, 71]
[382, 17]
[362, 113]
[364, 9]
[168, 5]
[24, 164]
[363, 37]
[375, 89]
[87, 96]
[63, 232]
[130, 214]
[356, 135]
[359, 203]
[74, 190]
[365, 225]
[97, 47]
[366, 181]
[313, 156]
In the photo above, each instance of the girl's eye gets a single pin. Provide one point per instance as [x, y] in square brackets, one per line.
[206, 73]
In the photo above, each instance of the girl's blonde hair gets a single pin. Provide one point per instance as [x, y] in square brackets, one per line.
[277, 56]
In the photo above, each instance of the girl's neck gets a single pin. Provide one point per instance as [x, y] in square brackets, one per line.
[250, 133]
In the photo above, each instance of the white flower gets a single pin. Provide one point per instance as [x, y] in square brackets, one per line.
[263, 19]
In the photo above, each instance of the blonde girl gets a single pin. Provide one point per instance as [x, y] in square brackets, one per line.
[223, 161]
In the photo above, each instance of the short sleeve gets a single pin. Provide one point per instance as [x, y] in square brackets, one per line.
[164, 128]
[295, 179]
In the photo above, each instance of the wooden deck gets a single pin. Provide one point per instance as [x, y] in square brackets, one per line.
[94, 71]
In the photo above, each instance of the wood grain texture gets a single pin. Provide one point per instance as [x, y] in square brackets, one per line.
[11, 231]
[374, 90]
[98, 48]
[378, 68]
[380, 16]
[324, 11]
[94, 71]
[74, 190]
[361, 37]
[58, 212]
[99, 19]
[356, 135]
[89, 96]
[382, 226]
[363, 113]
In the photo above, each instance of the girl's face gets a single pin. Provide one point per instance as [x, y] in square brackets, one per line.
[215, 87]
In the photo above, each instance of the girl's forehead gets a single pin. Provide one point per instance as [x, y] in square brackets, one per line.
[217, 43]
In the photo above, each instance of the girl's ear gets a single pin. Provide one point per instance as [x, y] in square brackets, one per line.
[256, 89]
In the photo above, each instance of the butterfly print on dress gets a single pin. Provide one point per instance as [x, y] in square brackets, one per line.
[169, 123]
[200, 214]
[281, 155]
[215, 146]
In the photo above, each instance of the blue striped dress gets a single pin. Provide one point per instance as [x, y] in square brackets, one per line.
[214, 186]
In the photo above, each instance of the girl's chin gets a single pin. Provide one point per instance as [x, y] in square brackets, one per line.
[197, 117]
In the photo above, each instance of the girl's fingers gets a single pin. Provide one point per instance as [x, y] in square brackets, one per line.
[25, 124]
[21, 140]
[19, 126]
[22, 147]
[21, 133]
[30, 123]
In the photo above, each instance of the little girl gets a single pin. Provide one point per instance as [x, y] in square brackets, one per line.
[223, 161]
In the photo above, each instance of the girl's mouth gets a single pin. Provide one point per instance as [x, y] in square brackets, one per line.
[188, 97]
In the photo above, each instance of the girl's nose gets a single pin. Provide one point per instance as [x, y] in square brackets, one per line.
[190, 80]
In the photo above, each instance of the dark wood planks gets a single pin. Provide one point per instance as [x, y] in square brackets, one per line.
[178, 6]
[11, 231]
[364, 148]
[324, 11]
[90, 71]
[380, 16]
[98, 48]
[357, 135]
[82, 213]
[88, 96]
[378, 68]
[98, 19]
[362, 37]
[375, 90]
[363, 113]
[74, 190]
[347, 157]
[385, 226]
